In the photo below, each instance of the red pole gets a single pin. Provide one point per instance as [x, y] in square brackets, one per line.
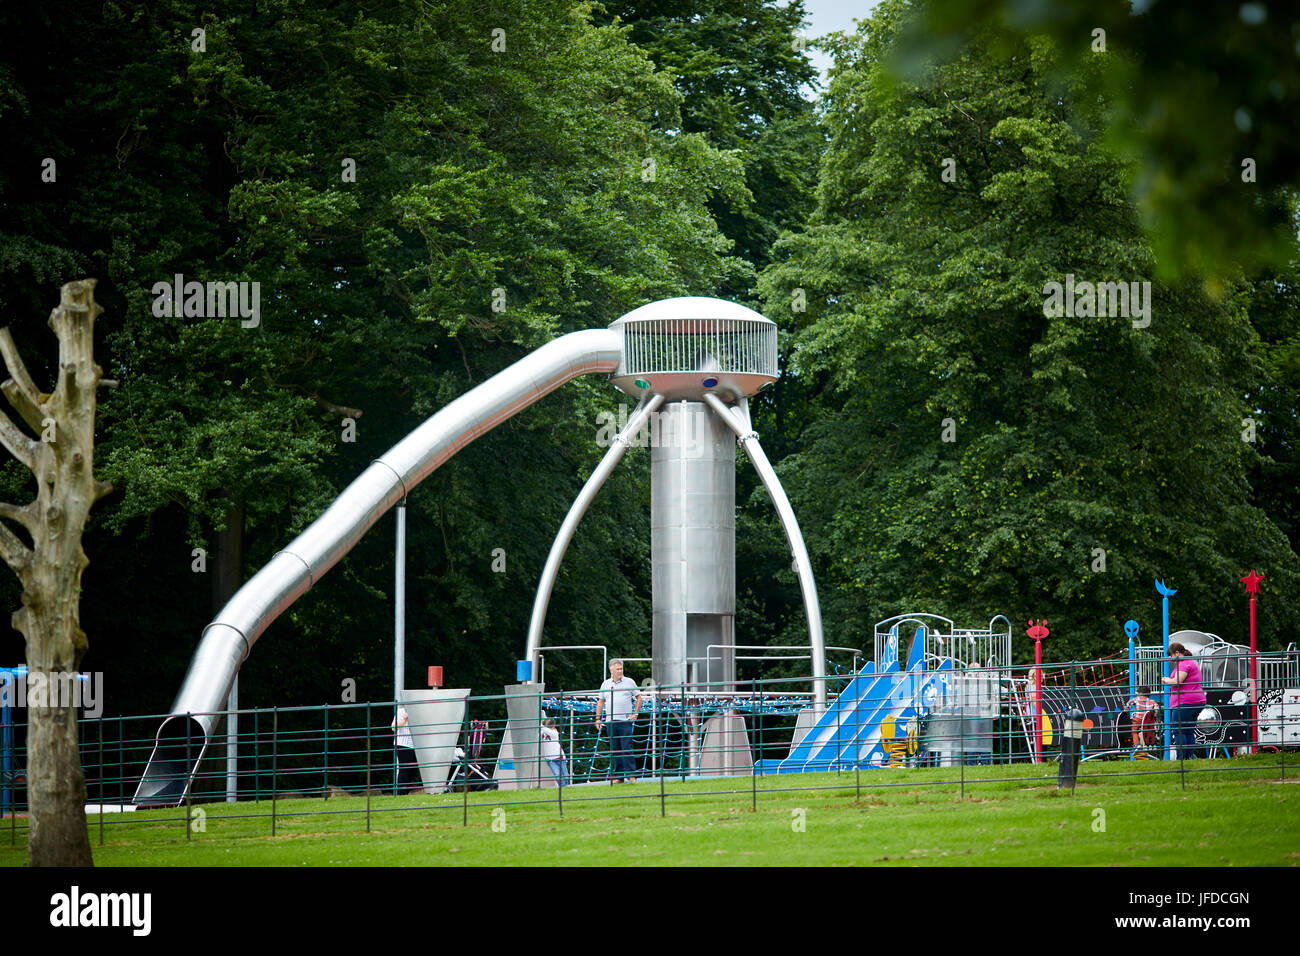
[1038, 700]
[1252, 588]
[1038, 632]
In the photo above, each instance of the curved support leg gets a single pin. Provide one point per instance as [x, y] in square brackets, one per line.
[551, 571]
[748, 439]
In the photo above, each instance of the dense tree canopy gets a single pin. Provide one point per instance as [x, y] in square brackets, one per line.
[1200, 100]
[476, 170]
[743, 76]
[424, 192]
[975, 453]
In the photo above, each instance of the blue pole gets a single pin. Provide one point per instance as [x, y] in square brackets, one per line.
[1132, 669]
[1131, 629]
[6, 737]
[1164, 664]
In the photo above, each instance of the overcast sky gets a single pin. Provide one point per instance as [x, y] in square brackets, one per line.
[827, 16]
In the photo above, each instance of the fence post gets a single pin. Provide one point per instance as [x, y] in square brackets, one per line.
[961, 729]
[13, 802]
[368, 706]
[1074, 705]
[857, 757]
[325, 782]
[1182, 754]
[275, 735]
[654, 730]
[100, 724]
[662, 769]
[188, 765]
[839, 738]
[686, 732]
[559, 783]
[753, 784]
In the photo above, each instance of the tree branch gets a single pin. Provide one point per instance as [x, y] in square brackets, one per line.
[17, 369]
[22, 402]
[341, 410]
[24, 515]
[16, 554]
[19, 445]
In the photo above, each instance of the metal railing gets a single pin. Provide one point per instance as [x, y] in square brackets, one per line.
[746, 732]
[682, 345]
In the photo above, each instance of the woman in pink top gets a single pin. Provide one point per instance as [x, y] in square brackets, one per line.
[1187, 699]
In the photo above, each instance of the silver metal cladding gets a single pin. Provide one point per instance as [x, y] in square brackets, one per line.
[692, 538]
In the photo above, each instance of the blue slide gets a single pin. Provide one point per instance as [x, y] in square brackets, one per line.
[874, 707]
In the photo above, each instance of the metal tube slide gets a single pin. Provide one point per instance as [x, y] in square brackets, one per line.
[287, 576]
[617, 448]
[803, 566]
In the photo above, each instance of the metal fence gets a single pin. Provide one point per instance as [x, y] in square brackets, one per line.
[874, 727]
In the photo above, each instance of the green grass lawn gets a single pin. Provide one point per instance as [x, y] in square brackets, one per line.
[1241, 814]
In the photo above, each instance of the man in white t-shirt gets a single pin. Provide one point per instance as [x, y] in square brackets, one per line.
[624, 700]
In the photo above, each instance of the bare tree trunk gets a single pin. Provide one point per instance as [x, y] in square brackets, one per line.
[62, 461]
[230, 558]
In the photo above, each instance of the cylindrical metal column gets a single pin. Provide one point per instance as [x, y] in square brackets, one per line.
[692, 545]
[399, 609]
[232, 743]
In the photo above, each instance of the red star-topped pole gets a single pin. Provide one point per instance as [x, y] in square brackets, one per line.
[1038, 632]
[1252, 588]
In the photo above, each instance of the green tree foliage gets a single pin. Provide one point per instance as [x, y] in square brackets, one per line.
[516, 168]
[744, 77]
[1194, 90]
[1070, 434]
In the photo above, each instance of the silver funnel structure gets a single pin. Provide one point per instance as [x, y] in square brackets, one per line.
[694, 356]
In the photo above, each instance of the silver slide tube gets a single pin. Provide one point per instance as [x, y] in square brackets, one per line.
[803, 566]
[617, 448]
[288, 575]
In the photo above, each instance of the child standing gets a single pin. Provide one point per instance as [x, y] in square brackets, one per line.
[552, 752]
[1142, 710]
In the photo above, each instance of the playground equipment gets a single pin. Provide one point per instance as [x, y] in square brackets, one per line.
[933, 706]
[877, 720]
[694, 362]
[1103, 688]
